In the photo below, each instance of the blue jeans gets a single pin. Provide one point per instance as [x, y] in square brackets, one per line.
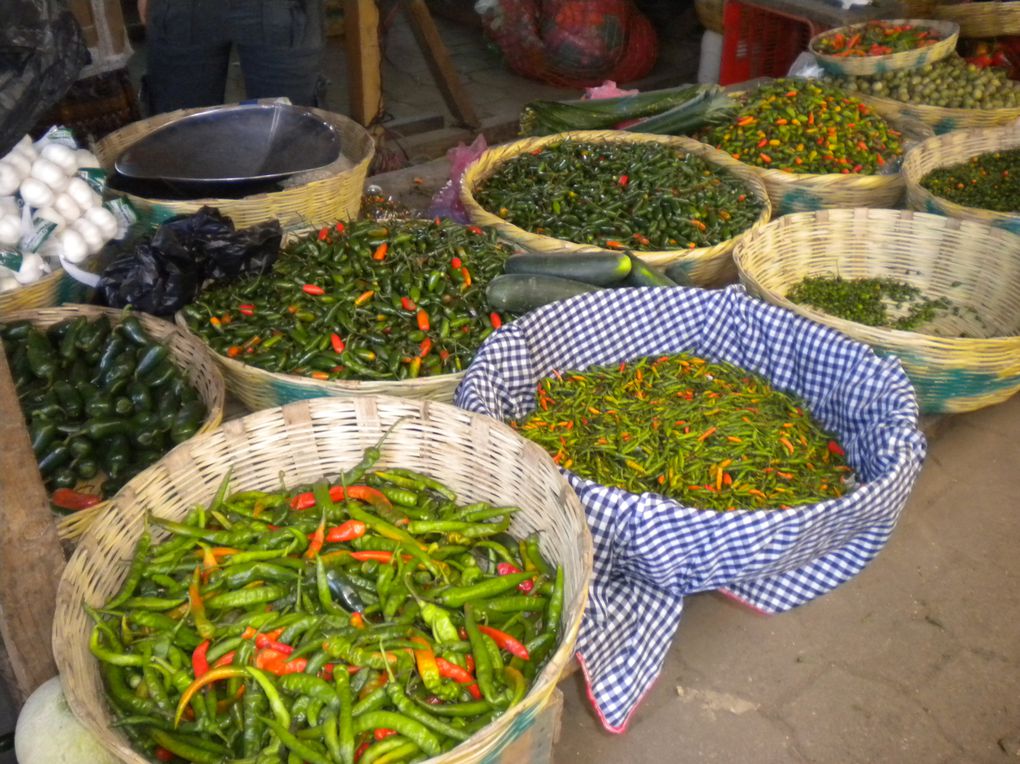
[188, 44]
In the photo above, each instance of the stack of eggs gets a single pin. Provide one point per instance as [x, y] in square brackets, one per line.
[49, 208]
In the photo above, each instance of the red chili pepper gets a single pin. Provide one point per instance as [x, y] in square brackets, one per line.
[459, 675]
[276, 662]
[835, 448]
[426, 346]
[226, 659]
[66, 498]
[380, 251]
[337, 343]
[313, 289]
[623, 181]
[246, 310]
[381, 733]
[613, 244]
[495, 320]
[346, 531]
[364, 746]
[475, 230]
[323, 234]
[407, 303]
[372, 555]
[199, 663]
[317, 540]
[364, 493]
[456, 263]
[265, 642]
[423, 319]
[505, 642]
[163, 754]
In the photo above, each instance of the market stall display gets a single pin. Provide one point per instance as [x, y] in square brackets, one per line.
[816, 146]
[105, 394]
[668, 199]
[314, 199]
[457, 458]
[965, 152]
[652, 551]
[366, 307]
[883, 45]
[967, 355]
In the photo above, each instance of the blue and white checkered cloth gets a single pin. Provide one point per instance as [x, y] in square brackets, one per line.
[650, 552]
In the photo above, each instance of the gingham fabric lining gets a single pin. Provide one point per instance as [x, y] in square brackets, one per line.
[650, 552]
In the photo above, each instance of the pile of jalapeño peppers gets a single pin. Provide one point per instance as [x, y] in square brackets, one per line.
[373, 619]
[362, 300]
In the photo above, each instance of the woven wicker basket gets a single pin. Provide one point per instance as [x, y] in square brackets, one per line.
[706, 266]
[55, 288]
[939, 119]
[907, 59]
[982, 19]
[319, 202]
[259, 389]
[476, 456]
[944, 257]
[190, 355]
[955, 148]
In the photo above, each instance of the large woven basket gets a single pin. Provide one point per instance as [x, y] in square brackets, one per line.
[956, 148]
[907, 59]
[706, 266]
[260, 389]
[982, 19]
[316, 203]
[975, 266]
[939, 119]
[55, 288]
[474, 455]
[189, 355]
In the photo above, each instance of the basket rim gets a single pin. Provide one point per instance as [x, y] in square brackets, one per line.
[685, 143]
[903, 59]
[936, 112]
[898, 337]
[913, 177]
[547, 680]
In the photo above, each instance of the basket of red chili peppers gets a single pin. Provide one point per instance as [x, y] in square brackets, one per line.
[716, 442]
[359, 308]
[339, 579]
[882, 45]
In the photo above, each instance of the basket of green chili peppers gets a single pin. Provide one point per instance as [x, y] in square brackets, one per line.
[366, 307]
[912, 285]
[971, 174]
[337, 580]
[665, 199]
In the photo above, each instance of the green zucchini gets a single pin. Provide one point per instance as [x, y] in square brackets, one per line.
[642, 276]
[598, 268]
[521, 292]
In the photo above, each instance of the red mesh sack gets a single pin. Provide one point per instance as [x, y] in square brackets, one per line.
[641, 52]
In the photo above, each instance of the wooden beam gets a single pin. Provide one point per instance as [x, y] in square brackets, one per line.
[364, 60]
[438, 59]
[31, 557]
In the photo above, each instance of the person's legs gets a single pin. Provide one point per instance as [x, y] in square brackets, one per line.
[280, 44]
[187, 54]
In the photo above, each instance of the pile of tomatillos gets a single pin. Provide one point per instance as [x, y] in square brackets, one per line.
[620, 195]
[364, 300]
[370, 618]
[102, 401]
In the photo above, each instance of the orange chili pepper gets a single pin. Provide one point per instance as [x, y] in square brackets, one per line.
[380, 251]
[495, 320]
[317, 540]
[364, 297]
[313, 289]
[423, 320]
[337, 343]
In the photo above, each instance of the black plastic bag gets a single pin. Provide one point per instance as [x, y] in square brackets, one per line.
[41, 53]
[161, 273]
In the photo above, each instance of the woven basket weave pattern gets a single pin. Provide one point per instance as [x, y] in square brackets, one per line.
[907, 59]
[939, 119]
[982, 19]
[951, 149]
[53, 289]
[942, 256]
[706, 266]
[316, 203]
[189, 355]
[476, 456]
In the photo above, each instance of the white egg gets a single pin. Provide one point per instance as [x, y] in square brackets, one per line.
[48, 172]
[67, 206]
[86, 158]
[82, 193]
[104, 220]
[63, 157]
[72, 245]
[36, 193]
[20, 163]
[29, 152]
[10, 230]
[31, 268]
[90, 233]
[51, 214]
[10, 178]
[9, 206]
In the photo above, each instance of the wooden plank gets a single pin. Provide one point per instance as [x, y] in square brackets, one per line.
[31, 557]
[364, 60]
[440, 64]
